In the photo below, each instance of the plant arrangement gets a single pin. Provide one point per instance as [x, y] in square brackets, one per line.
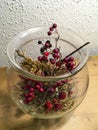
[48, 96]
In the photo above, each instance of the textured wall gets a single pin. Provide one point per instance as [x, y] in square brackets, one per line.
[18, 15]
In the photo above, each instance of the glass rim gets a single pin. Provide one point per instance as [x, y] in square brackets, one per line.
[44, 78]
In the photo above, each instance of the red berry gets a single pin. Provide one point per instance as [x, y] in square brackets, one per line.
[52, 61]
[54, 25]
[37, 86]
[31, 89]
[64, 81]
[48, 105]
[40, 58]
[49, 33]
[57, 106]
[44, 58]
[56, 50]
[71, 58]
[46, 53]
[59, 83]
[47, 44]
[29, 99]
[26, 94]
[41, 90]
[30, 94]
[56, 55]
[52, 90]
[58, 63]
[62, 95]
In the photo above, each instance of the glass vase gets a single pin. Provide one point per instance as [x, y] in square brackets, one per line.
[42, 96]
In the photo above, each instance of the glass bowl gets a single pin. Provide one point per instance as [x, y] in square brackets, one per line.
[53, 96]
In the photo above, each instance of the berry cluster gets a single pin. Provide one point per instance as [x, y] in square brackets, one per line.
[49, 96]
[56, 105]
[51, 29]
[65, 64]
[44, 51]
[34, 92]
[30, 89]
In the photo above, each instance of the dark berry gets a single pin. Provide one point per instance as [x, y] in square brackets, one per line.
[48, 41]
[64, 81]
[31, 89]
[39, 42]
[49, 33]
[54, 25]
[42, 50]
[51, 28]
[57, 106]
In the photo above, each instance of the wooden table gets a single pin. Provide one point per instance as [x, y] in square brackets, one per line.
[84, 118]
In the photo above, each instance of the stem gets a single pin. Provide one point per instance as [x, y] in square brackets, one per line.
[77, 49]
[72, 54]
[57, 37]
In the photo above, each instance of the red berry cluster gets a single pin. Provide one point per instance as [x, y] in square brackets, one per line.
[54, 105]
[70, 63]
[30, 89]
[51, 29]
[55, 56]
[33, 90]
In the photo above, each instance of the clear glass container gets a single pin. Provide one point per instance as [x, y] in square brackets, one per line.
[70, 87]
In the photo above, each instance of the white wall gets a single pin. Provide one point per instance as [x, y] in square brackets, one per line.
[18, 15]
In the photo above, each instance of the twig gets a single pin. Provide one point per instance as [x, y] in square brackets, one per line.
[77, 49]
